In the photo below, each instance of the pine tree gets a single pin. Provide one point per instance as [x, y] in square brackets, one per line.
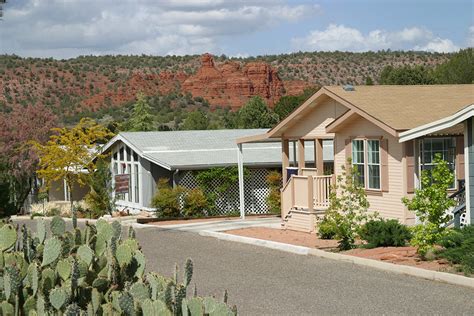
[142, 119]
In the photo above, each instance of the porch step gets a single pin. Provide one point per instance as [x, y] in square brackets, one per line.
[301, 220]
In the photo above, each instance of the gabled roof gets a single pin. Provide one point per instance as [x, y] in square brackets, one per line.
[391, 107]
[406, 107]
[203, 149]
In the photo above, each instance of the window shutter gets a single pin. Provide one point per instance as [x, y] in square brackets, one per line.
[384, 164]
[460, 158]
[410, 159]
[348, 152]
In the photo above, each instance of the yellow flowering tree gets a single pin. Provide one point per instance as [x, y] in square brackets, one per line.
[70, 151]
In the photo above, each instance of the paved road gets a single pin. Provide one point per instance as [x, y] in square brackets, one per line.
[262, 281]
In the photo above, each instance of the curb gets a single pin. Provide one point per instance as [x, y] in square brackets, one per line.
[380, 265]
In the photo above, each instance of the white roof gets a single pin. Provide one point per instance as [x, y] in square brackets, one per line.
[208, 148]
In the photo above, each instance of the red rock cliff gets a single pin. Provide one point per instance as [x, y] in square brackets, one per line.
[232, 85]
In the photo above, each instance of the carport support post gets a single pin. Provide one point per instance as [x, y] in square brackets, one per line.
[240, 164]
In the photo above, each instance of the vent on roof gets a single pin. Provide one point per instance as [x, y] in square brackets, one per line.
[348, 87]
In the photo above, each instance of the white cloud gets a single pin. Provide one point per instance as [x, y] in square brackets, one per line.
[340, 37]
[470, 37]
[62, 28]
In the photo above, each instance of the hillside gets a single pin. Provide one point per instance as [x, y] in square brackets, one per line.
[89, 84]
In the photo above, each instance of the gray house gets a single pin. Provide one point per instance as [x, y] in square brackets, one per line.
[145, 157]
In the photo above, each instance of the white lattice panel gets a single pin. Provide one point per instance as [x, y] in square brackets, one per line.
[256, 192]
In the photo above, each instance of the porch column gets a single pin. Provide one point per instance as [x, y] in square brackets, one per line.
[301, 159]
[285, 158]
[240, 165]
[469, 168]
[318, 156]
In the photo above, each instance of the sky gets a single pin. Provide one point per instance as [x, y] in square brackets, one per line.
[238, 28]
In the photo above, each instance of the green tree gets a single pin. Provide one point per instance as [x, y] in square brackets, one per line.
[430, 203]
[141, 119]
[69, 151]
[289, 103]
[369, 81]
[99, 197]
[406, 75]
[256, 114]
[196, 120]
[458, 70]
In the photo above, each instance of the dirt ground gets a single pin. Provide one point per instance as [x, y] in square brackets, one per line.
[285, 236]
[397, 255]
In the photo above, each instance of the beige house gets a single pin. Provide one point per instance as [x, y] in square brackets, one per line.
[365, 124]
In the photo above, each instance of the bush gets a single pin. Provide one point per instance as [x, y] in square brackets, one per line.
[166, 199]
[430, 204]
[385, 233]
[91, 271]
[195, 203]
[458, 248]
[327, 229]
[348, 207]
[274, 197]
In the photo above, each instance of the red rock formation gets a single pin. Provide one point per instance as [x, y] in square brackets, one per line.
[231, 85]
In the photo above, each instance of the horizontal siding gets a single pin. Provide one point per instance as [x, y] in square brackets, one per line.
[314, 124]
[388, 204]
[300, 222]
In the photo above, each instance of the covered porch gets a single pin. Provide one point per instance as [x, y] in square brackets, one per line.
[459, 129]
[307, 177]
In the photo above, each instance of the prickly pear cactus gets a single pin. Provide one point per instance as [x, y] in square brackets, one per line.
[52, 251]
[58, 226]
[90, 272]
[58, 298]
[8, 237]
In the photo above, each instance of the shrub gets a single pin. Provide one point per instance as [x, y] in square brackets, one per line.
[327, 229]
[166, 199]
[430, 204]
[458, 248]
[90, 271]
[274, 198]
[348, 206]
[195, 203]
[385, 233]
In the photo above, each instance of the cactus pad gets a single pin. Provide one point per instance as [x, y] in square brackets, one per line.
[117, 229]
[140, 291]
[85, 254]
[58, 297]
[40, 230]
[11, 281]
[124, 255]
[152, 308]
[188, 272]
[63, 269]
[33, 277]
[52, 250]
[57, 226]
[125, 301]
[8, 237]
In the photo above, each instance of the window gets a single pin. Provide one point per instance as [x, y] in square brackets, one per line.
[366, 161]
[358, 160]
[445, 146]
[373, 164]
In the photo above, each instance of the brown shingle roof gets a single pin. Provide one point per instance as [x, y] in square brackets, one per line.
[406, 107]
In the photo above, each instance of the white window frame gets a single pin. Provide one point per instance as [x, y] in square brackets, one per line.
[421, 153]
[131, 167]
[366, 164]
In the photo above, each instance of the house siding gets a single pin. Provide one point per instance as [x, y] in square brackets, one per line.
[314, 124]
[387, 204]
